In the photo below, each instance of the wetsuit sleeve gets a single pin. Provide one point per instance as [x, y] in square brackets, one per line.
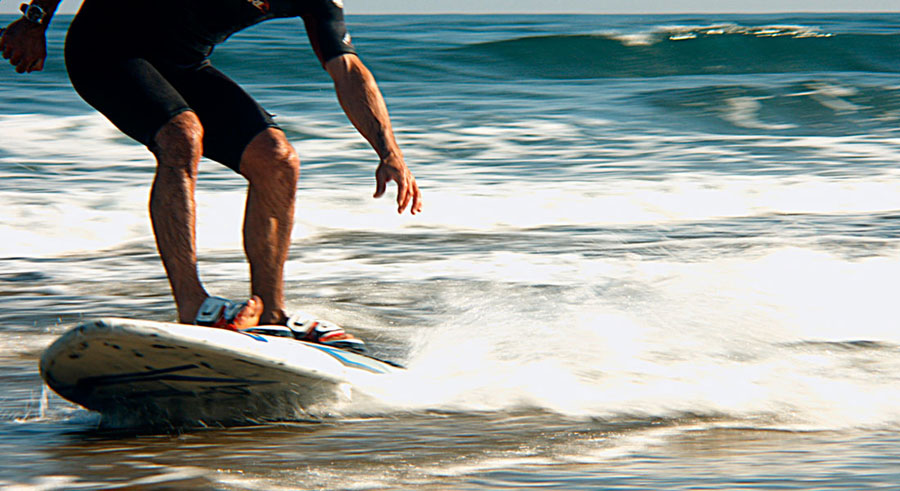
[326, 29]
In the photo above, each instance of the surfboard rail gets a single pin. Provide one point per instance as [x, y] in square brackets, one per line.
[139, 370]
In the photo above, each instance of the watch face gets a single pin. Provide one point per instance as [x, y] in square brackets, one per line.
[34, 13]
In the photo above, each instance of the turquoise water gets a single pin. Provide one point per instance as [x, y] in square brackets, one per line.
[658, 252]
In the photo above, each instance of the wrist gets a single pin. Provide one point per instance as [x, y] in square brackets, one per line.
[33, 13]
[389, 154]
[38, 12]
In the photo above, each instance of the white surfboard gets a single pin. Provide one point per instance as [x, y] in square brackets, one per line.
[143, 372]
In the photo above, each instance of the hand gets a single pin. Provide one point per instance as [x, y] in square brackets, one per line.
[24, 44]
[392, 168]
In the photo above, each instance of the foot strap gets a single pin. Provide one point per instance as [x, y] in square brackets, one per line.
[218, 312]
[307, 328]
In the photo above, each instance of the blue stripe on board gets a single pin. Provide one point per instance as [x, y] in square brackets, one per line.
[341, 356]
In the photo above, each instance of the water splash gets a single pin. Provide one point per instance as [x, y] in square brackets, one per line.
[794, 339]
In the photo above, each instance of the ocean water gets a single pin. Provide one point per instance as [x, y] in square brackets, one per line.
[657, 252]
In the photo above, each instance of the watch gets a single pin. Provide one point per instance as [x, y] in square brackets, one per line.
[33, 13]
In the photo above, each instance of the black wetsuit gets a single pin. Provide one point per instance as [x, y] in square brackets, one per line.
[141, 62]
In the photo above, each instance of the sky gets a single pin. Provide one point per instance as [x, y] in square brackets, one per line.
[580, 6]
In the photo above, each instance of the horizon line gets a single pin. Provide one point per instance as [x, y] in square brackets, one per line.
[3, 11]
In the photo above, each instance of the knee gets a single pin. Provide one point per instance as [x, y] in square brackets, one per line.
[270, 160]
[179, 143]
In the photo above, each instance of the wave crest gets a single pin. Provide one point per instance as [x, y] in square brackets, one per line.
[684, 50]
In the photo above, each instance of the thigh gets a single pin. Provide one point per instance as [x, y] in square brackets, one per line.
[139, 90]
[231, 118]
[113, 75]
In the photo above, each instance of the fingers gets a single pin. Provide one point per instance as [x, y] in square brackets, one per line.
[402, 194]
[27, 64]
[416, 199]
[19, 60]
[8, 53]
[380, 185]
[16, 61]
[408, 194]
[25, 48]
[6, 49]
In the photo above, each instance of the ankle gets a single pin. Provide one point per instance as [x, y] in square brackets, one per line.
[188, 307]
[277, 317]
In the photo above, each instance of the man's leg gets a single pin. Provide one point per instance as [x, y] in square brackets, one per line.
[178, 147]
[173, 210]
[272, 168]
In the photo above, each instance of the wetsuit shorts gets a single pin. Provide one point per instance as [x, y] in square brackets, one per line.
[142, 62]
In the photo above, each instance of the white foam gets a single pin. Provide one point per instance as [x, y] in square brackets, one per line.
[744, 112]
[661, 335]
[72, 198]
[724, 338]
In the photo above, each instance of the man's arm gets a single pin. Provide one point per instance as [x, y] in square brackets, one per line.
[364, 105]
[24, 42]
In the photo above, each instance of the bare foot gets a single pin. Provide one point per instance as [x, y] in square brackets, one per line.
[249, 315]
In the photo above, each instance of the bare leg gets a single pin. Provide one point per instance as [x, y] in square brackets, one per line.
[179, 145]
[173, 210]
[272, 168]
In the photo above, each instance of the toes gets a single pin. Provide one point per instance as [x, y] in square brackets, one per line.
[249, 315]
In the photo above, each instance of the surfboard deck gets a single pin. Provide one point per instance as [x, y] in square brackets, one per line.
[144, 372]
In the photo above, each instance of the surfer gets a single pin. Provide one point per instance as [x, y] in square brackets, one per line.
[144, 64]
